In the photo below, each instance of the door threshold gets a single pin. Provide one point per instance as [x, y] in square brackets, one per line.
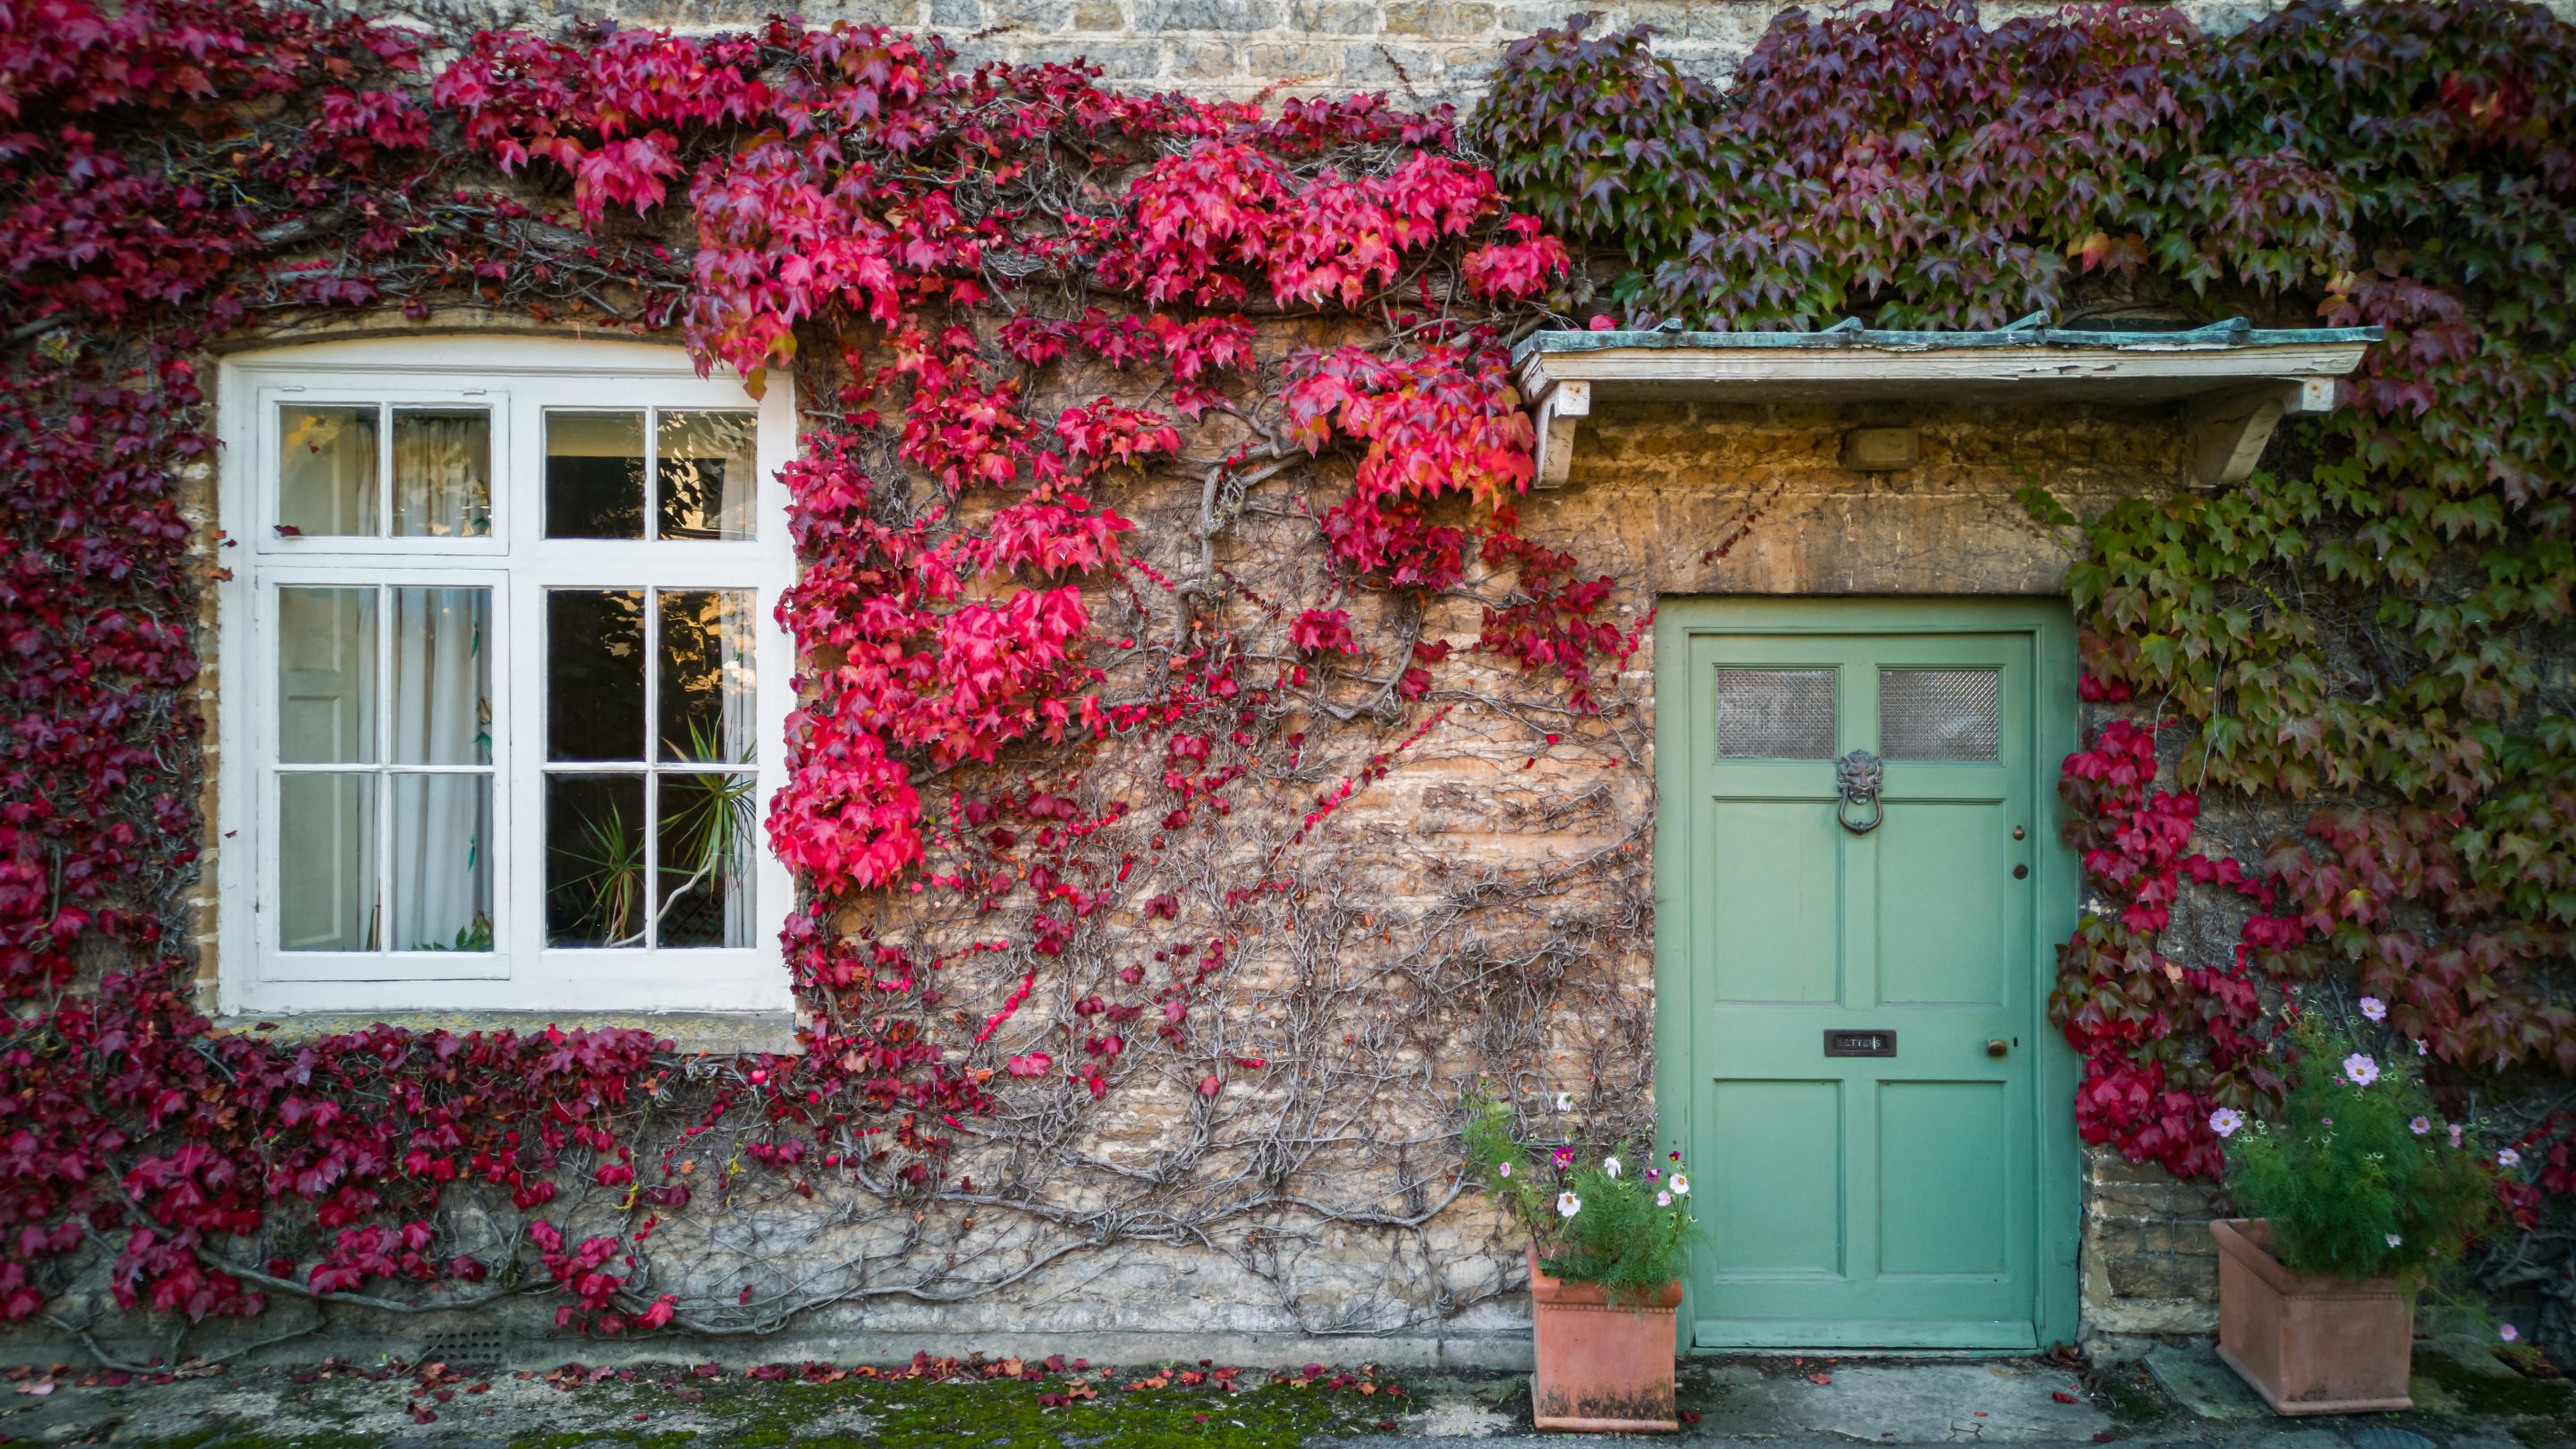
[1853, 1337]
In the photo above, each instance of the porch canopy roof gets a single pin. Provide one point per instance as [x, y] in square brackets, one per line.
[2231, 382]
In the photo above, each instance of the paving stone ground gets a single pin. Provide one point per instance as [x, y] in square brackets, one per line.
[2155, 1395]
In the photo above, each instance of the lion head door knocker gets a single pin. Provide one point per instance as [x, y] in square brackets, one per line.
[1857, 776]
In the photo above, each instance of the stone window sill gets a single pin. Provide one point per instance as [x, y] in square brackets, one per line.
[710, 1032]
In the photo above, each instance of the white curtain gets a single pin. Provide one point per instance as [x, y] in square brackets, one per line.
[442, 466]
[442, 824]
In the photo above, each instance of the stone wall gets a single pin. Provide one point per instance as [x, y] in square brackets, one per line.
[1423, 50]
[2149, 1264]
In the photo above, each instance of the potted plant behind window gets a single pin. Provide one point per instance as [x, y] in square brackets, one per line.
[2351, 1200]
[1607, 1240]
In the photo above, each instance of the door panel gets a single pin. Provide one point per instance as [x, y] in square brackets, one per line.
[1941, 1178]
[1784, 1184]
[1860, 1200]
[1776, 921]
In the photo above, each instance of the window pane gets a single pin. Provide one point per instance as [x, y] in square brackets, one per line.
[326, 676]
[595, 860]
[704, 474]
[443, 473]
[1775, 714]
[326, 470]
[702, 874]
[706, 683]
[1939, 714]
[326, 890]
[594, 475]
[442, 676]
[595, 674]
[442, 885]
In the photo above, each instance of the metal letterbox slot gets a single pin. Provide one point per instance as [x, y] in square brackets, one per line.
[1860, 1043]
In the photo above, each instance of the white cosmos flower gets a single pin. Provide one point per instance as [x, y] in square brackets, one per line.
[1681, 1185]
[1610, 1166]
[2394, 1240]
[1565, 1101]
[1567, 1204]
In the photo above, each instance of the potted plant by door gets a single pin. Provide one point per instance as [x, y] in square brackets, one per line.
[1607, 1240]
[2351, 1199]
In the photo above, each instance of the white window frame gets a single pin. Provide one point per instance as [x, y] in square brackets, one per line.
[518, 378]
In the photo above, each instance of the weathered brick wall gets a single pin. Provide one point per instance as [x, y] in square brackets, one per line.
[1429, 50]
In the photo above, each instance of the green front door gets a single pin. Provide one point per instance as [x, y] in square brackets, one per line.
[1857, 1012]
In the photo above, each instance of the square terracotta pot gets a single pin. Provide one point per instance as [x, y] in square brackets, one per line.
[2310, 1345]
[1601, 1369]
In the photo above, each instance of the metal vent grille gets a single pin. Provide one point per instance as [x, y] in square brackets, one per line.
[1938, 714]
[1775, 714]
[467, 1347]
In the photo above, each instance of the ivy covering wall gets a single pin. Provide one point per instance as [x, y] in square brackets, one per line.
[2357, 665]
[1143, 437]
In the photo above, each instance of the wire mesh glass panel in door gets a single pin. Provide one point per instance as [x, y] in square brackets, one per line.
[1775, 714]
[1939, 716]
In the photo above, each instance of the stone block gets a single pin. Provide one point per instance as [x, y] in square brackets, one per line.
[1119, 60]
[1335, 17]
[1229, 17]
[1212, 59]
[1440, 19]
[1099, 15]
[1303, 60]
[1032, 18]
[1390, 65]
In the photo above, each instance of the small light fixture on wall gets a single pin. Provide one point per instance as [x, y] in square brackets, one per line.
[1881, 450]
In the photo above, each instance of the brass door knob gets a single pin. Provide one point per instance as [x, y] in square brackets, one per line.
[1995, 1048]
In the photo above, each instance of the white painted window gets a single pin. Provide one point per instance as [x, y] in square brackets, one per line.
[501, 689]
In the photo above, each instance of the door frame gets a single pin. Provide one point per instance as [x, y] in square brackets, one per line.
[2056, 902]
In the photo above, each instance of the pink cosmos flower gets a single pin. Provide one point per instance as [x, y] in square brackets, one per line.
[1562, 1157]
[2507, 1157]
[2360, 1069]
[2225, 1121]
[2507, 1332]
[2374, 1008]
[1505, 1169]
[1663, 1199]
[2455, 1134]
[2420, 1126]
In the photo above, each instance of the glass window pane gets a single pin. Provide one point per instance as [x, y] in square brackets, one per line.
[595, 674]
[1775, 714]
[326, 470]
[595, 860]
[442, 884]
[326, 676]
[594, 475]
[1939, 714]
[442, 473]
[326, 888]
[706, 683]
[702, 872]
[442, 704]
[704, 479]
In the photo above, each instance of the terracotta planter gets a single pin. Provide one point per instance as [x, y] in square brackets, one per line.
[2310, 1345]
[1601, 1369]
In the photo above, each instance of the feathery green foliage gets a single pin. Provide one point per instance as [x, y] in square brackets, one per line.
[1630, 1229]
[2360, 1178]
